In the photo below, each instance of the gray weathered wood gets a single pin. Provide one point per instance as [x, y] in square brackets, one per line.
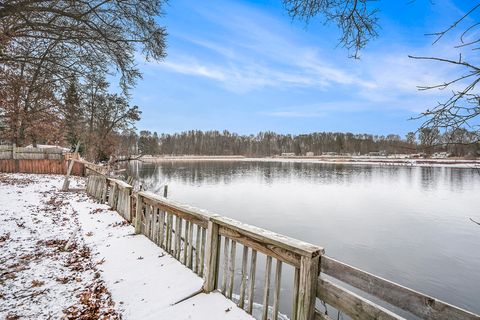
[296, 282]
[202, 252]
[354, 306]
[211, 257]
[195, 215]
[226, 250]
[307, 288]
[138, 213]
[185, 236]
[161, 234]
[66, 182]
[251, 281]
[269, 238]
[266, 287]
[243, 283]
[190, 246]
[276, 296]
[178, 237]
[231, 269]
[321, 316]
[197, 249]
[419, 304]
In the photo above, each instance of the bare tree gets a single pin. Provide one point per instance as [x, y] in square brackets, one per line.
[83, 35]
[358, 23]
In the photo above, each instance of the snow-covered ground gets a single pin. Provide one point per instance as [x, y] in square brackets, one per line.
[64, 256]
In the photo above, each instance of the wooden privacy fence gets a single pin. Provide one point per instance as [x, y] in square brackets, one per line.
[36, 160]
[207, 244]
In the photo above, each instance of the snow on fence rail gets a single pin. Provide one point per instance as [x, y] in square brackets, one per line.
[195, 237]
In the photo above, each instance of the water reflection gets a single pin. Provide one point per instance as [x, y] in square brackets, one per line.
[408, 224]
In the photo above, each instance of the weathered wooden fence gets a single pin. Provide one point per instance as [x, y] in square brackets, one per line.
[196, 238]
[36, 160]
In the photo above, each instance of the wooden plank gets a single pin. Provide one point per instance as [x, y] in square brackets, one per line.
[178, 237]
[190, 246]
[307, 288]
[211, 257]
[155, 224]
[251, 280]
[226, 249]
[321, 316]
[257, 244]
[197, 249]
[185, 251]
[231, 270]
[296, 282]
[354, 306]
[148, 221]
[276, 296]
[138, 214]
[243, 283]
[161, 234]
[419, 304]
[170, 232]
[198, 216]
[202, 254]
[266, 287]
[270, 238]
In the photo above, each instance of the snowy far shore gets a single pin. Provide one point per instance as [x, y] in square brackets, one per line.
[377, 161]
[63, 256]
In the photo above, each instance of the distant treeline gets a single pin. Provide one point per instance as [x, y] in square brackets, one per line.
[197, 142]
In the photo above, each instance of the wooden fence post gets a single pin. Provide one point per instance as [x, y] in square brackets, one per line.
[212, 257]
[66, 182]
[307, 294]
[14, 157]
[138, 214]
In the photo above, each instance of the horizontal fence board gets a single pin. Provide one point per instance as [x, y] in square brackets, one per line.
[354, 306]
[197, 216]
[39, 166]
[419, 304]
[269, 238]
[260, 246]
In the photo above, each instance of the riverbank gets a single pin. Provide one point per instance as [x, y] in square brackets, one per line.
[378, 161]
[64, 256]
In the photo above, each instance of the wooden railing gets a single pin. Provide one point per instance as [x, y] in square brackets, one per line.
[357, 307]
[207, 244]
[176, 228]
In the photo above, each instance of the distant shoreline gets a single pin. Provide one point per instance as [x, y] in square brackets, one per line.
[458, 163]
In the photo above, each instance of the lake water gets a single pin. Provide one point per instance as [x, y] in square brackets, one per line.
[407, 224]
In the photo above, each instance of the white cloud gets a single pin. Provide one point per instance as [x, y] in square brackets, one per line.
[254, 51]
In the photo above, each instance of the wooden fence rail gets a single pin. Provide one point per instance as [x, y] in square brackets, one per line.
[416, 303]
[196, 238]
[36, 160]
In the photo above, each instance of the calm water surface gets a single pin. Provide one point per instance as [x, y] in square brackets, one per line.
[408, 224]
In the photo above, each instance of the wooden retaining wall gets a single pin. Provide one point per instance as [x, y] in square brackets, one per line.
[196, 238]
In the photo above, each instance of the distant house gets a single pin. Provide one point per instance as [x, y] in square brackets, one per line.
[288, 154]
[440, 155]
[382, 153]
[310, 154]
[49, 146]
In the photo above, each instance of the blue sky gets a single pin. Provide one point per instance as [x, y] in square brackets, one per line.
[246, 67]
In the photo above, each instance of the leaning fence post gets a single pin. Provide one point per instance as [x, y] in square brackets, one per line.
[211, 256]
[66, 182]
[309, 267]
[138, 214]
